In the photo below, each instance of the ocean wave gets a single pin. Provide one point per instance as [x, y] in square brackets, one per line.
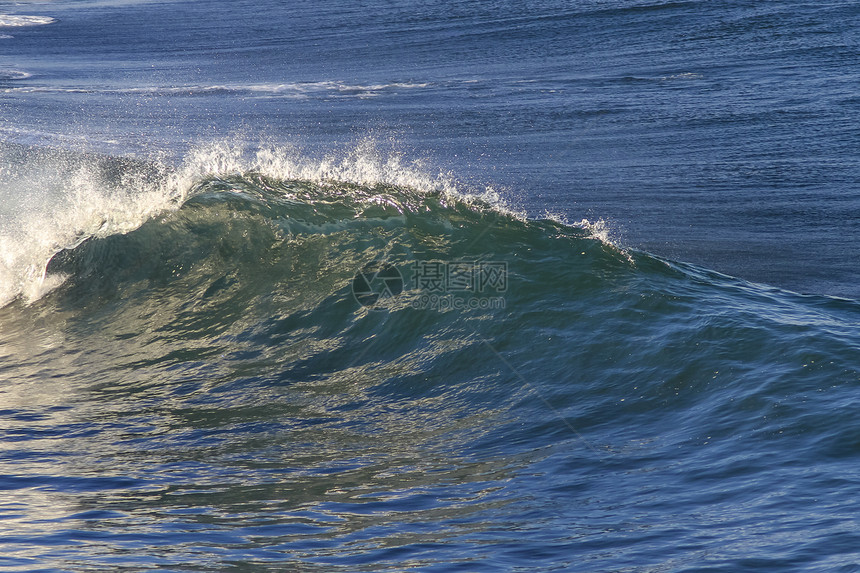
[64, 217]
[287, 257]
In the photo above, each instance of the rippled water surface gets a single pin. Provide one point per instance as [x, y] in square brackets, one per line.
[424, 286]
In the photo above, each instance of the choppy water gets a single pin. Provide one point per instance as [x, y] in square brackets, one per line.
[426, 286]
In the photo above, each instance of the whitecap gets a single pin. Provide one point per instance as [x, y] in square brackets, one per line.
[683, 76]
[13, 75]
[328, 89]
[19, 20]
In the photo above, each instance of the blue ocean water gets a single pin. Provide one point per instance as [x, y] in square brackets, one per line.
[429, 286]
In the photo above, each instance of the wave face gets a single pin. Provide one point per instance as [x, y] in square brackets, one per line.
[348, 363]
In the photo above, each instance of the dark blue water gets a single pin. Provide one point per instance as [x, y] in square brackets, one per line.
[429, 286]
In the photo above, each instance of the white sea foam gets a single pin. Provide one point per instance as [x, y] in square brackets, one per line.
[18, 20]
[683, 76]
[602, 231]
[45, 90]
[331, 88]
[301, 90]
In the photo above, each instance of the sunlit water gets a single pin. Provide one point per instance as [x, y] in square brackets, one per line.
[387, 287]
